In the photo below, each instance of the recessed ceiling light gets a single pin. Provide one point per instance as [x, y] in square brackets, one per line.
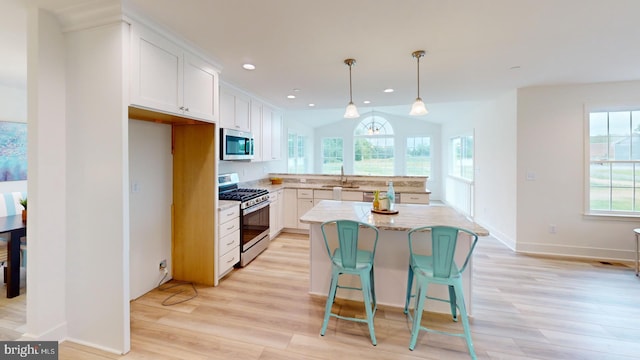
[388, 90]
[516, 67]
[312, 105]
[291, 96]
[248, 66]
[367, 102]
[296, 90]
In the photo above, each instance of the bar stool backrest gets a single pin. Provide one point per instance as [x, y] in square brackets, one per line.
[444, 240]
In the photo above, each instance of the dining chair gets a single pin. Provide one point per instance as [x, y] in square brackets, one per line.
[355, 257]
[439, 267]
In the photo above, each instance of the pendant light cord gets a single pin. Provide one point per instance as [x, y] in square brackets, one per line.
[418, 76]
[350, 88]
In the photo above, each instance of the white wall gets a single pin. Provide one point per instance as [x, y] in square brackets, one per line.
[495, 128]
[13, 104]
[493, 125]
[97, 187]
[10, 186]
[254, 170]
[46, 228]
[150, 192]
[551, 146]
[291, 124]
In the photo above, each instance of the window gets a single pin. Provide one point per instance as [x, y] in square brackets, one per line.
[374, 145]
[614, 162]
[332, 155]
[418, 156]
[462, 157]
[296, 163]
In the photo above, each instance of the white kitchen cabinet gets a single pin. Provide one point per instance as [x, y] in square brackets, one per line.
[271, 134]
[352, 195]
[276, 136]
[319, 195]
[234, 111]
[167, 78]
[276, 213]
[229, 240]
[291, 209]
[304, 205]
[414, 198]
[256, 129]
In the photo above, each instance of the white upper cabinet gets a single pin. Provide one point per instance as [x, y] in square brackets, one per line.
[234, 111]
[167, 78]
[256, 129]
[276, 136]
[271, 134]
[200, 88]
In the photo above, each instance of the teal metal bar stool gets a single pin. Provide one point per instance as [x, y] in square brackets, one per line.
[438, 268]
[350, 257]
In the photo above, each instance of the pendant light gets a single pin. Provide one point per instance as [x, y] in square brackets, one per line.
[352, 111]
[418, 107]
[372, 129]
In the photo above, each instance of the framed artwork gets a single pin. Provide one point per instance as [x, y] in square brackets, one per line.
[13, 151]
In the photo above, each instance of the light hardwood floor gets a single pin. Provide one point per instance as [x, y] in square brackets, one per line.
[524, 307]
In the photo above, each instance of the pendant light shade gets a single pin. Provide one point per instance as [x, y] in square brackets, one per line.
[351, 111]
[418, 107]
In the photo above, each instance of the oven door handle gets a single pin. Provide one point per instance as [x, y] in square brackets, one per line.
[262, 205]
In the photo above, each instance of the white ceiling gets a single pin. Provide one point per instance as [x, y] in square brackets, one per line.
[475, 49]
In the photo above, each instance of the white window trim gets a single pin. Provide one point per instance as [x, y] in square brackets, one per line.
[586, 190]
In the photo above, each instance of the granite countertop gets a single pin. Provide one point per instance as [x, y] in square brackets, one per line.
[409, 216]
[226, 204]
[316, 186]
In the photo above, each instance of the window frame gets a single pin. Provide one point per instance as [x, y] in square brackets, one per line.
[452, 159]
[298, 139]
[386, 133]
[599, 213]
[407, 156]
[322, 143]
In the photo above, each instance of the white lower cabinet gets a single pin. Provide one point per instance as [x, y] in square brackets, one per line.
[414, 198]
[290, 209]
[228, 240]
[276, 213]
[319, 195]
[305, 203]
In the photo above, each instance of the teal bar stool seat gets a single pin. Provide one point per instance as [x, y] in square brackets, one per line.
[438, 268]
[355, 257]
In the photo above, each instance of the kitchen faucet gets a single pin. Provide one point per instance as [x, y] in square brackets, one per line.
[343, 180]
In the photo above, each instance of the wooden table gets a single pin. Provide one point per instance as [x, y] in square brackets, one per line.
[392, 254]
[16, 229]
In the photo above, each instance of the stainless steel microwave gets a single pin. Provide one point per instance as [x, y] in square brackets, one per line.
[235, 145]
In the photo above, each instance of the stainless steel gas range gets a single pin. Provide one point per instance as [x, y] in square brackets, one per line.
[254, 215]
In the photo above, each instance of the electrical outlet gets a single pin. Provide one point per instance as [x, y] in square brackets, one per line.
[163, 264]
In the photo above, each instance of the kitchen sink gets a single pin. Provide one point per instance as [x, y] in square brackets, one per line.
[344, 186]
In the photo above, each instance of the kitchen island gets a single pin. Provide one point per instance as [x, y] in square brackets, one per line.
[392, 253]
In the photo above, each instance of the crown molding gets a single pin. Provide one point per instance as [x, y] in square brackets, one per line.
[89, 14]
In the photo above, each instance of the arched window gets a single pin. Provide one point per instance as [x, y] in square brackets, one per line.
[374, 147]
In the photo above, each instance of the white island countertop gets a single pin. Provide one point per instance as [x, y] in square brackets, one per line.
[409, 216]
[392, 254]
